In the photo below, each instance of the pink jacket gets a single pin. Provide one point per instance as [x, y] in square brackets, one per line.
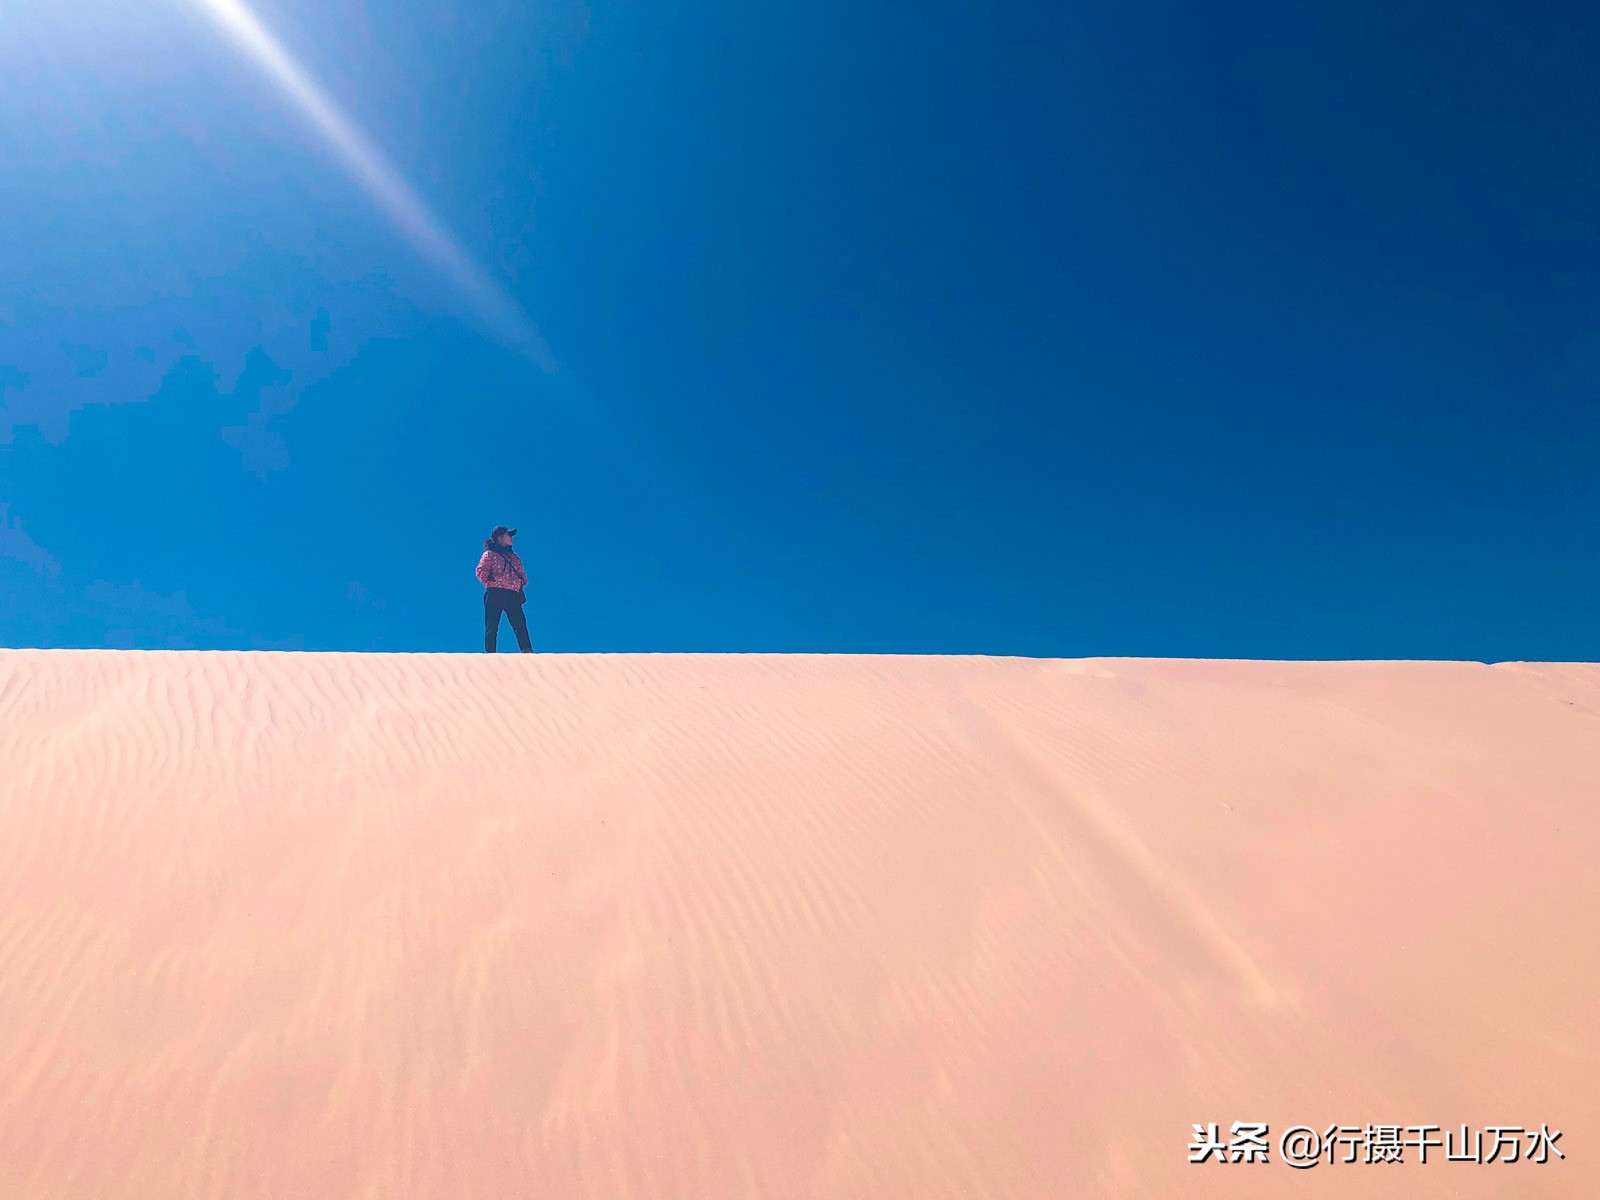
[502, 570]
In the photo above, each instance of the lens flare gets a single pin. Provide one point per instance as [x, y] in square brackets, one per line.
[367, 166]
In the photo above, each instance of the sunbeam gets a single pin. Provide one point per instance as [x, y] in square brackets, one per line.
[367, 166]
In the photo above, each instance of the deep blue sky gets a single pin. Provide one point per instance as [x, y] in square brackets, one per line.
[1251, 331]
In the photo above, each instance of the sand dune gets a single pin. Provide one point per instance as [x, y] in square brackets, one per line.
[702, 926]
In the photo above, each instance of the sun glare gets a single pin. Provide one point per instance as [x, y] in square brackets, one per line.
[366, 164]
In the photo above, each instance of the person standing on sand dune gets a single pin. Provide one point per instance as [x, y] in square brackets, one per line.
[500, 571]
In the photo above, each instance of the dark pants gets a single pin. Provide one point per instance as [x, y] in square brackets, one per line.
[504, 600]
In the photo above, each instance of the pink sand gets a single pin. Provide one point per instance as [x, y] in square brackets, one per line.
[695, 927]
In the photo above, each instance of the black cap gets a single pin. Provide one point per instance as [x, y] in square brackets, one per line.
[499, 529]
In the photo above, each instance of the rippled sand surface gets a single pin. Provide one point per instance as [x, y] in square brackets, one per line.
[694, 927]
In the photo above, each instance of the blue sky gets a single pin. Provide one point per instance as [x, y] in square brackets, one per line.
[1268, 331]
